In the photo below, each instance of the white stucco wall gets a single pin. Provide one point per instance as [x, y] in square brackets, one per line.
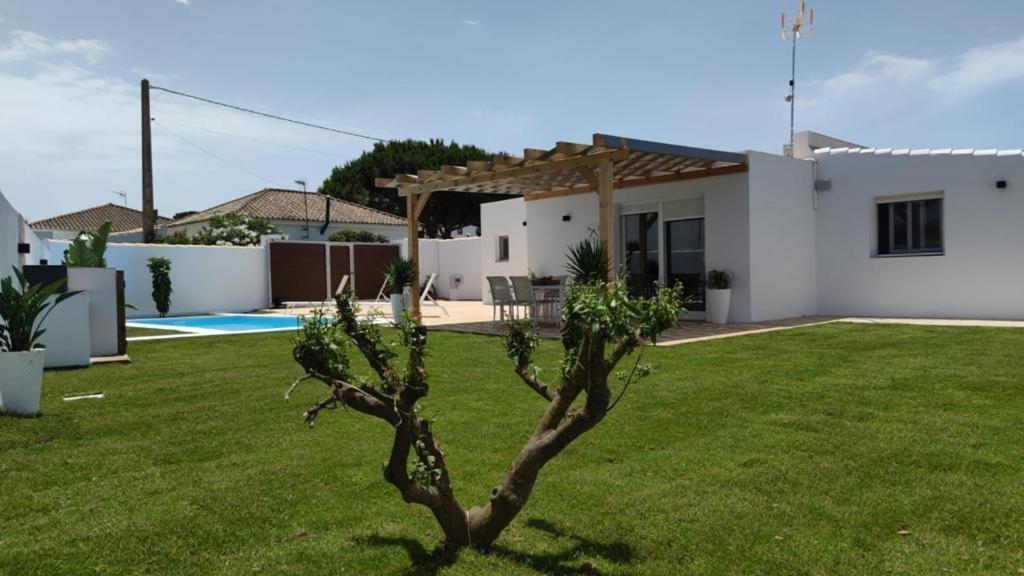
[782, 238]
[10, 234]
[982, 270]
[504, 218]
[203, 278]
[549, 238]
[447, 258]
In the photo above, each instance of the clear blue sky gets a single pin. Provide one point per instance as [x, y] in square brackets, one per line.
[497, 74]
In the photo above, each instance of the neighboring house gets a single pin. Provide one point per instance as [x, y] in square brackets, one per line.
[837, 230]
[126, 223]
[299, 215]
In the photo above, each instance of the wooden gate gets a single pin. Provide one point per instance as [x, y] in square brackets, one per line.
[311, 271]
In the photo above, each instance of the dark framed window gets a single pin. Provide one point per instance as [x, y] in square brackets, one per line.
[502, 255]
[909, 227]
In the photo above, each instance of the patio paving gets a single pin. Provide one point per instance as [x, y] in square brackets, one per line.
[474, 317]
[684, 332]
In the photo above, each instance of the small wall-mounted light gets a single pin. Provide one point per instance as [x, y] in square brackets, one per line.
[43, 262]
[567, 218]
[524, 222]
[24, 248]
[822, 185]
[1001, 184]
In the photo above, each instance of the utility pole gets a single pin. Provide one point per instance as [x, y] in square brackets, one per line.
[305, 203]
[148, 213]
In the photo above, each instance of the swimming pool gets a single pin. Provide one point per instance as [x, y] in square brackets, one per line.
[220, 323]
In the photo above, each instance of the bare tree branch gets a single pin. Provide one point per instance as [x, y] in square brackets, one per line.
[535, 383]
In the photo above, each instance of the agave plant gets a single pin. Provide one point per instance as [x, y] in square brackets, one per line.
[23, 309]
[399, 275]
[88, 250]
[588, 262]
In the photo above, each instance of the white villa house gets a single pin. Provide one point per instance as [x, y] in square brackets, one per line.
[837, 229]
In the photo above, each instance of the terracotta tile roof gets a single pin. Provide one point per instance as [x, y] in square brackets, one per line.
[277, 204]
[121, 218]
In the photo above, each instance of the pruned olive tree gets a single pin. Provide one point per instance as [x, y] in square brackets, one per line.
[602, 325]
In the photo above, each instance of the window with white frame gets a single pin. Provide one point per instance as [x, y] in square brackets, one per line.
[909, 227]
[501, 253]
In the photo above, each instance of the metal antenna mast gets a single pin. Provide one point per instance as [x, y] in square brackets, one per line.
[801, 26]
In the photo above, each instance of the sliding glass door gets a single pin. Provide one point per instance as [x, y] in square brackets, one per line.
[640, 253]
[684, 242]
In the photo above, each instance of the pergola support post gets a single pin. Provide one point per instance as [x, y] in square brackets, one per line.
[606, 205]
[413, 245]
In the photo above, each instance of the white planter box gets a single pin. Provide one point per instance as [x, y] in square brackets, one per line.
[21, 382]
[718, 305]
[101, 284]
[67, 340]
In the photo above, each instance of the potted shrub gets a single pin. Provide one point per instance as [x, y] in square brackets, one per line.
[22, 312]
[399, 277]
[719, 296]
[87, 272]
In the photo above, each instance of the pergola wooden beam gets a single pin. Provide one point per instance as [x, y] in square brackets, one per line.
[569, 168]
[517, 171]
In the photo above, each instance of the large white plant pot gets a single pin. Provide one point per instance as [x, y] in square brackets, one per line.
[399, 305]
[21, 382]
[101, 284]
[718, 306]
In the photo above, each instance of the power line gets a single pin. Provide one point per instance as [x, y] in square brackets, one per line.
[273, 116]
[205, 151]
[325, 153]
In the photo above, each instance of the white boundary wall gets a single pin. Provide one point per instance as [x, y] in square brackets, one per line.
[203, 278]
[447, 259]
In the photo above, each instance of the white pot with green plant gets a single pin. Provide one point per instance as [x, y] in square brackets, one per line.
[23, 309]
[87, 272]
[719, 296]
[399, 278]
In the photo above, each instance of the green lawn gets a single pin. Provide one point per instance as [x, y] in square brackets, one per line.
[797, 452]
[133, 331]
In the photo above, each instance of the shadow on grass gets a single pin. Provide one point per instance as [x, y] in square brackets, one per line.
[579, 558]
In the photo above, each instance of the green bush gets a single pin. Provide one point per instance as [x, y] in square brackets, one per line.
[234, 229]
[87, 250]
[160, 270]
[364, 236]
[178, 237]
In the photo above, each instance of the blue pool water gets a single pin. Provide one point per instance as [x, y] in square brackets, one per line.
[223, 323]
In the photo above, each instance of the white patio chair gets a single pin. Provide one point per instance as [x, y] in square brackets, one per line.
[427, 298]
[289, 305]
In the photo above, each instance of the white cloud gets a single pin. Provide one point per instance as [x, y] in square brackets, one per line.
[183, 2]
[888, 81]
[981, 68]
[471, 22]
[25, 45]
[78, 138]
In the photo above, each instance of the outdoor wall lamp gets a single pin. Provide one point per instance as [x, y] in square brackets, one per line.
[1001, 184]
[567, 218]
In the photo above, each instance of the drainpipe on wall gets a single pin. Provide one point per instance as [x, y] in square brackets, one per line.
[327, 216]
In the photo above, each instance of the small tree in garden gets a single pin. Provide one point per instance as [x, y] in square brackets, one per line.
[160, 270]
[602, 325]
[364, 236]
[234, 229]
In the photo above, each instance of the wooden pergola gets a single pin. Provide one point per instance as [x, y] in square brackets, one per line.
[569, 168]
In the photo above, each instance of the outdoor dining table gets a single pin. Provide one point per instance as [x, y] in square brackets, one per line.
[549, 298]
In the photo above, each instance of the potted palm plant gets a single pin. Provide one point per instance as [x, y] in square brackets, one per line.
[719, 296]
[399, 277]
[23, 309]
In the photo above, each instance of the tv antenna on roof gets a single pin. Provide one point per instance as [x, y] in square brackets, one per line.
[800, 25]
[123, 195]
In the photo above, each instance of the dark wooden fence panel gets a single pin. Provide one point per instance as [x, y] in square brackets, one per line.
[298, 272]
[371, 262]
